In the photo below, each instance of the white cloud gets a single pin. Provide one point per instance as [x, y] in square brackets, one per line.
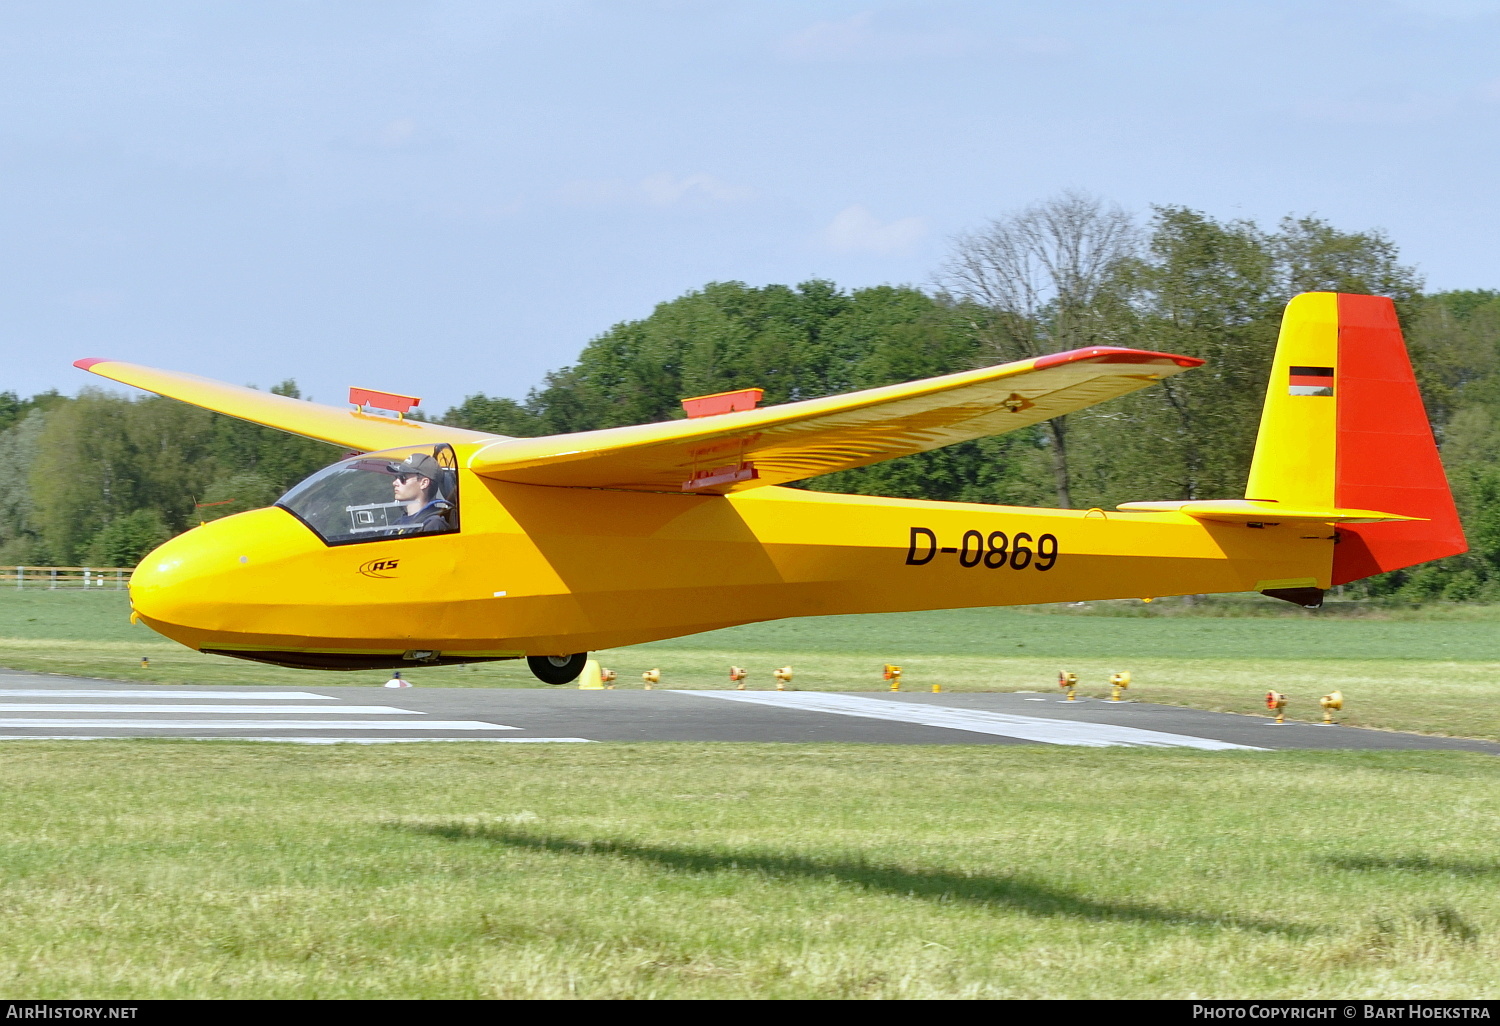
[664, 190]
[397, 133]
[658, 190]
[857, 38]
[856, 230]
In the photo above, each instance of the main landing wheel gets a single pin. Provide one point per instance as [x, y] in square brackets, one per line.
[557, 669]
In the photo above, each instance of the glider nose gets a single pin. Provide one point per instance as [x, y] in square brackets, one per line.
[169, 574]
[203, 582]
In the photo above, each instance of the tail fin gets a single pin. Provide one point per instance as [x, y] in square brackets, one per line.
[1344, 428]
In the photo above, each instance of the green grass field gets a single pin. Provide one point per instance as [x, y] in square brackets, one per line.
[1434, 671]
[226, 869]
[156, 868]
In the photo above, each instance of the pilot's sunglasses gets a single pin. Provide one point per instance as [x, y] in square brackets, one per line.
[403, 478]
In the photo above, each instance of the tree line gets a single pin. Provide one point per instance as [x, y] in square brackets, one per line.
[103, 478]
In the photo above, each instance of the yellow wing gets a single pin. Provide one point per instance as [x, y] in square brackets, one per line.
[734, 451]
[346, 427]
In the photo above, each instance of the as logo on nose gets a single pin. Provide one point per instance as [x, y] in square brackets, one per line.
[380, 567]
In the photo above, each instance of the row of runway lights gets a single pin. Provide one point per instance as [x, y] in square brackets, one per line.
[1331, 703]
[602, 678]
[1275, 700]
[597, 678]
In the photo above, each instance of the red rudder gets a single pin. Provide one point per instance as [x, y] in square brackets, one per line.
[1386, 456]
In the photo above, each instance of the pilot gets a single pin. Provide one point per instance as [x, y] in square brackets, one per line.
[416, 485]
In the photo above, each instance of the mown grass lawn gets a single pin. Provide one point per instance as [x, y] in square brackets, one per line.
[1434, 671]
[141, 869]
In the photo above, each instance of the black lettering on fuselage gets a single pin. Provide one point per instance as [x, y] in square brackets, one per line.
[912, 559]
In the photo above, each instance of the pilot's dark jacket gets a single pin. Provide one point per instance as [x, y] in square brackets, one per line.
[430, 519]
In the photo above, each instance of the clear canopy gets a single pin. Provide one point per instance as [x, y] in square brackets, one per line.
[396, 493]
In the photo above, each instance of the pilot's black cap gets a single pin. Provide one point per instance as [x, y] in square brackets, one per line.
[418, 463]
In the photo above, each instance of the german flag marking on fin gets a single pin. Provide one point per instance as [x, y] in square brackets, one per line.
[1310, 381]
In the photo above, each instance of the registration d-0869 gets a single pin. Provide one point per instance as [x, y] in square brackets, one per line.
[994, 550]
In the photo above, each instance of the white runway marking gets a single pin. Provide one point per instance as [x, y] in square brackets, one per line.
[303, 740]
[261, 696]
[1025, 728]
[124, 724]
[236, 710]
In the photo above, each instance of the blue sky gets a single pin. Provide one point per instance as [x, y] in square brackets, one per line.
[441, 198]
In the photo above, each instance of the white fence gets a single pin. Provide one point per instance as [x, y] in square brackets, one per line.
[72, 577]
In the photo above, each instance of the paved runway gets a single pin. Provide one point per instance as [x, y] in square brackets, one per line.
[47, 706]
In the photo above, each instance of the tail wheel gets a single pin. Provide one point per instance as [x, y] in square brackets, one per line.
[557, 669]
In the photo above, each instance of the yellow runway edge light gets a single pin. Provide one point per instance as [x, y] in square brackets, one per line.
[1069, 683]
[433, 545]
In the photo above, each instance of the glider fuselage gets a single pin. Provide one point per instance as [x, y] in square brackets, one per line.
[540, 571]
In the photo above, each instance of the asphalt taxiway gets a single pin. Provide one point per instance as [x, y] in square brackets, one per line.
[51, 706]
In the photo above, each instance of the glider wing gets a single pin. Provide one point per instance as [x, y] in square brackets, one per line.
[752, 448]
[347, 427]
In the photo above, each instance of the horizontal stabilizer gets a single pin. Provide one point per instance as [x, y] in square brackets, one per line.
[779, 444]
[339, 425]
[1241, 511]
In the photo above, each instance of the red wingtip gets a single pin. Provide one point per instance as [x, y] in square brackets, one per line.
[1114, 354]
[86, 364]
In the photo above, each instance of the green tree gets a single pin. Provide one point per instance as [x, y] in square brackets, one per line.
[101, 457]
[497, 415]
[725, 336]
[1215, 290]
[84, 464]
[20, 541]
[1205, 289]
[125, 540]
[1454, 339]
[14, 409]
[1046, 279]
[283, 459]
[1313, 256]
[235, 493]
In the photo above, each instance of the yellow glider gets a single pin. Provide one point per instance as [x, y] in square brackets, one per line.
[440, 545]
